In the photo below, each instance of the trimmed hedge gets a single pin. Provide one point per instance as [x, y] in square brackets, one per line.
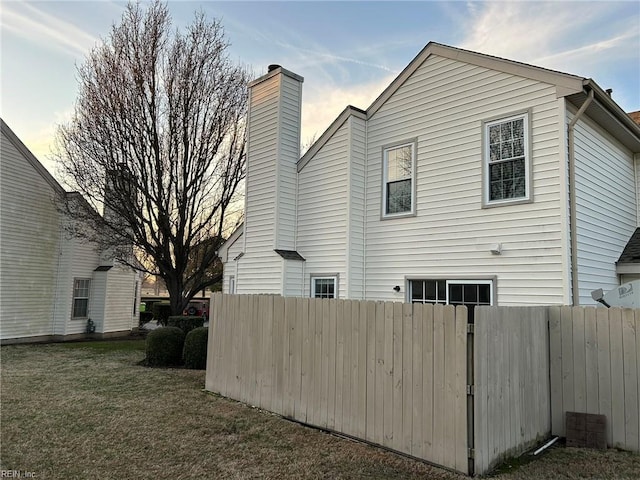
[195, 348]
[185, 323]
[164, 347]
[161, 312]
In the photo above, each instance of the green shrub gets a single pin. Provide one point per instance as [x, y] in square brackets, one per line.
[145, 317]
[164, 347]
[195, 348]
[186, 324]
[161, 312]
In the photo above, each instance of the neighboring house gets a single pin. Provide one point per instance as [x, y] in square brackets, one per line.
[471, 179]
[52, 284]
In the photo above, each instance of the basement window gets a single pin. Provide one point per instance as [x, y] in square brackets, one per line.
[471, 293]
[324, 287]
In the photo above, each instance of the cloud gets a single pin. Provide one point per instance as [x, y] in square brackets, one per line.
[48, 31]
[323, 103]
[39, 139]
[566, 36]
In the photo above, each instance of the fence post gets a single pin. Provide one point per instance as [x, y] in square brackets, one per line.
[470, 398]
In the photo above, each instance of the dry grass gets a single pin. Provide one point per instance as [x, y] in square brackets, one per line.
[89, 411]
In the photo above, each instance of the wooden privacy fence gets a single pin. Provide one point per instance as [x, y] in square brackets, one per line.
[595, 363]
[390, 373]
[398, 375]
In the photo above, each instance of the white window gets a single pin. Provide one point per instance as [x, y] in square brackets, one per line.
[507, 159]
[398, 196]
[81, 298]
[324, 287]
[471, 293]
[232, 284]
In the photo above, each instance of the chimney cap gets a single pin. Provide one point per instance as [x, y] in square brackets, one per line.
[273, 67]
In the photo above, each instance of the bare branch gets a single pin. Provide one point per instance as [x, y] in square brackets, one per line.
[156, 147]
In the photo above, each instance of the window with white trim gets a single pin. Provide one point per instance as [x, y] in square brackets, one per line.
[471, 293]
[398, 196]
[507, 159]
[136, 305]
[324, 287]
[81, 287]
[232, 284]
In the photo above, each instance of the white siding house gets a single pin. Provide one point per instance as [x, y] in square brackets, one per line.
[457, 185]
[51, 284]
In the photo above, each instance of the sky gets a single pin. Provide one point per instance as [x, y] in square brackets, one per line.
[347, 52]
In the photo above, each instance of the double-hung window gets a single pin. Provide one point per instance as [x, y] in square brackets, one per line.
[81, 288]
[398, 196]
[324, 287]
[507, 160]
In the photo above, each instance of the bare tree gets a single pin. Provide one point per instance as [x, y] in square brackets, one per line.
[156, 147]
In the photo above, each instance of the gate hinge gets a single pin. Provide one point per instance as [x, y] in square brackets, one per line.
[471, 389]
[470, 327]
[471, 453]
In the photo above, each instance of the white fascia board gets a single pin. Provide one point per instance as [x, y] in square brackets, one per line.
[564, 82]
[224, 249]
[330, 132]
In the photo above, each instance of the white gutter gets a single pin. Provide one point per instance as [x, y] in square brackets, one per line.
[573, 228]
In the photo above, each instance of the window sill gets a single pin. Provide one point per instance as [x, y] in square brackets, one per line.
[397, 215]
[502, 203]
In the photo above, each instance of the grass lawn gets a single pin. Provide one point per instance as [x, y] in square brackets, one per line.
[89, 411]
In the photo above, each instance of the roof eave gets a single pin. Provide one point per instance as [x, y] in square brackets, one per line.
[609, 115]
[329, 132]
[224, 248]
[627, 268]
[31, 158]
[565, 83]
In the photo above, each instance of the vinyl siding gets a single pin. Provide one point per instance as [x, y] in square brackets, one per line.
[443, 105]
[294, 278]
[606, 206]
[78, 260]
[323, 211]
[288, 155]
[231, 265]
[121, 291]
[356, 210]
[29, 247]
[98, 298]
[261, 270]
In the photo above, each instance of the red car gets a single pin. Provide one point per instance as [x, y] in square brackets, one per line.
[197, 308]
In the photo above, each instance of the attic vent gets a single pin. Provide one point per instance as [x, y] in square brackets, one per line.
[272, 67]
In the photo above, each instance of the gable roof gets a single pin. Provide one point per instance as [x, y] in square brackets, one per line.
[565, 82]
[604, 109]
[30, 157]
[631, 252]
[224, 248]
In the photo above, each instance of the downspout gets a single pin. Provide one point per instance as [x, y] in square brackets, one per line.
[573, 228]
